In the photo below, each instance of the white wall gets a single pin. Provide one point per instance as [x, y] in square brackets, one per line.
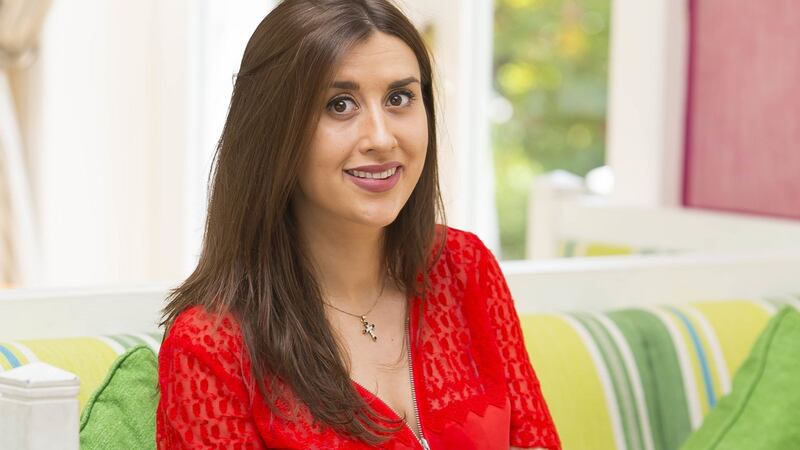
[102, 184]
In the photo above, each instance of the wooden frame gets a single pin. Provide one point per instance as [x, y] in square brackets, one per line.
[646, 100]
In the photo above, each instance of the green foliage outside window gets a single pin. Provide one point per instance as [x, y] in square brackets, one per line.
[550, 78]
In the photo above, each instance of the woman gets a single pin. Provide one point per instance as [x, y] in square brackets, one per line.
[328, 310]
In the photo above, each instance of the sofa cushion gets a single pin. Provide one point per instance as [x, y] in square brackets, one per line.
[640, 378]
[763, 409]
[121, 412]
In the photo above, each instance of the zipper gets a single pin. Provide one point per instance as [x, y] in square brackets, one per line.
[421, 437]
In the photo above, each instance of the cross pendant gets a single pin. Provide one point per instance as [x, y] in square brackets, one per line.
[369, 328]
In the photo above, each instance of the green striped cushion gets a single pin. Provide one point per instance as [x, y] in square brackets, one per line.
[641, 378]
[87, 357]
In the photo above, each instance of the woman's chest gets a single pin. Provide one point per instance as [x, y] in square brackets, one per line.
[379, 361]
[444, 366]
[456, 385]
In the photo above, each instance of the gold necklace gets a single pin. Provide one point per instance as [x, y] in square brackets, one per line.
[369, 327]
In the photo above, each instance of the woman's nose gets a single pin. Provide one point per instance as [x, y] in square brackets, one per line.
[377, 132]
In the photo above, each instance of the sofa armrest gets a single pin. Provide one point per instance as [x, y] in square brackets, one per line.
[39, 408]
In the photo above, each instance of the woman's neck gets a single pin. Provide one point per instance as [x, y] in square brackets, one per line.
[349, 263]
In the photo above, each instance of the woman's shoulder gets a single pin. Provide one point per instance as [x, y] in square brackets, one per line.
[460, 262]
[202, 362]
[198, 329]
[461, 247]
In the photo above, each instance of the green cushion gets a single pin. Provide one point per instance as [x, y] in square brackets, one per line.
[763, 409]
[122, 411]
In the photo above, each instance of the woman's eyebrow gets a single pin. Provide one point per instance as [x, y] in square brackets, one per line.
[353, 86]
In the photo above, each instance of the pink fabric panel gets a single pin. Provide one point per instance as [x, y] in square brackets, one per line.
[743, 116]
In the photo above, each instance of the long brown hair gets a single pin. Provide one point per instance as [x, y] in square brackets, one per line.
[251, 264]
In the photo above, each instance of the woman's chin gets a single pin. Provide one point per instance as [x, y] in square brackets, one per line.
[376, 220]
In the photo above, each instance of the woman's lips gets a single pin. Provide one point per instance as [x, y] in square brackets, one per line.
[376, 185]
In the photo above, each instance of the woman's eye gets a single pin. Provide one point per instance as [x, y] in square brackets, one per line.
[396, 98]
[339, 105]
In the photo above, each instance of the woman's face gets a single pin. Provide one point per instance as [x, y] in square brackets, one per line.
[369, 146]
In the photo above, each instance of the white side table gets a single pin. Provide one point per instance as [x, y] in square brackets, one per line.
[39, 408]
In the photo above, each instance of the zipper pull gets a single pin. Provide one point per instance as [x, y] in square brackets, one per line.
[424, 443]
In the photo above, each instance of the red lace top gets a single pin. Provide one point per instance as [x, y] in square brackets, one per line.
[475, 386]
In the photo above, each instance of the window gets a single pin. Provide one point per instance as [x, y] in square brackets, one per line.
[549, 104]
